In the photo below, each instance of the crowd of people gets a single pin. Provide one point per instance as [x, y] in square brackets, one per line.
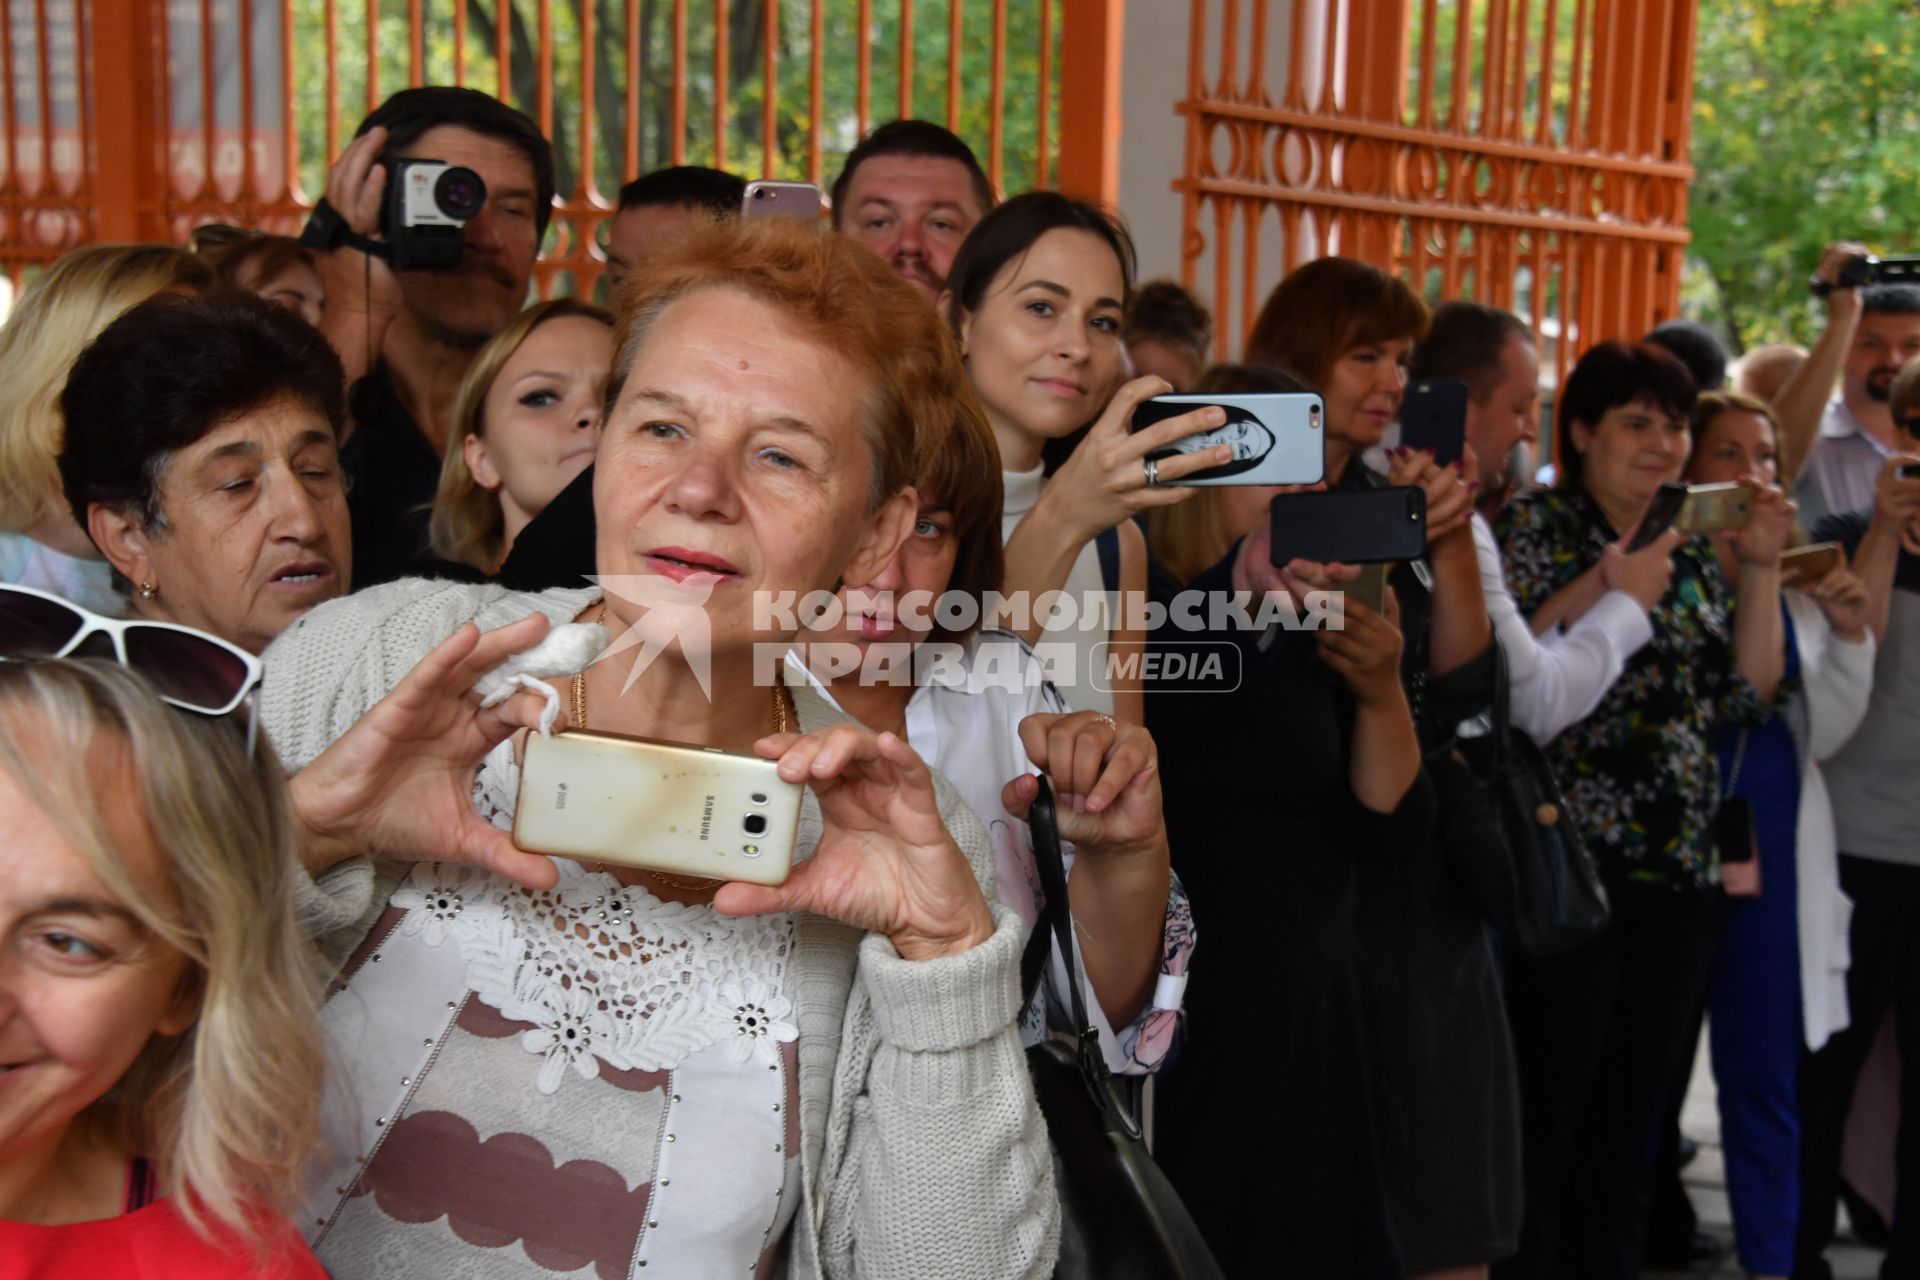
[290, 540]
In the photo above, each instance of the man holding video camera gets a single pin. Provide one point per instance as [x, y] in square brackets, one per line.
[426, 322]
[1835, 444]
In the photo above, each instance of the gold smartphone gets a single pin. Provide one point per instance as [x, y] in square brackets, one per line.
[1712, 508]
[1370, 588]
[1804, 566]
[661, 806]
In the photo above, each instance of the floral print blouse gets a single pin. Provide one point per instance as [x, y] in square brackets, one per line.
[1639, 774]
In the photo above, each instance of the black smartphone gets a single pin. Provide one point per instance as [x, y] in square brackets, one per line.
[1433, 415]
[1909, 470]
[1352, 526]
[1661, 513]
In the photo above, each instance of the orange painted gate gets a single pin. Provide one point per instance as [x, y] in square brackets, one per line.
[138, 119]
[1527, 153]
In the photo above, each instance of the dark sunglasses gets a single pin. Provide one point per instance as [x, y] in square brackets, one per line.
[189, 669]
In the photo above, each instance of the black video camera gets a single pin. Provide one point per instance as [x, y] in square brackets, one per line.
[1868, 270]
[422, 220]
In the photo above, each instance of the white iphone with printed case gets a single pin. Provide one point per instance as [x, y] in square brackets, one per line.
[660, 806]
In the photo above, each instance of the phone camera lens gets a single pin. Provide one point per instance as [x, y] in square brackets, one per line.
[756, 824]
[758, 797]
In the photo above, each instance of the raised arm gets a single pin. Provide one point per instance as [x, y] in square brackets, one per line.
[1802, 402]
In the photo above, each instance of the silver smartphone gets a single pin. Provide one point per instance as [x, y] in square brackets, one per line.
[1277, 437]
[662, 806]
[781, 200]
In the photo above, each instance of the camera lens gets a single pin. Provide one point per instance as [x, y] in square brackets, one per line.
[460, 193]
[756, 824]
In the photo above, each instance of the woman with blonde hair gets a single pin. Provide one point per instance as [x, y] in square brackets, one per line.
[64, 308]
[525, 423]
[158, 1040]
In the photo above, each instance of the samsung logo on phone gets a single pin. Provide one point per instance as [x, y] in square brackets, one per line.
[560, 797]
[706, 818]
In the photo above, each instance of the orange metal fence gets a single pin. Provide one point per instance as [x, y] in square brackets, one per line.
[138, 119]
[1527, 153]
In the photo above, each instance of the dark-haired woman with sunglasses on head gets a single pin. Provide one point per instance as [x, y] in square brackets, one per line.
[1603, 1032]
[202, 458]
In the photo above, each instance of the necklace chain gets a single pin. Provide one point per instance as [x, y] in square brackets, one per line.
[579, 721]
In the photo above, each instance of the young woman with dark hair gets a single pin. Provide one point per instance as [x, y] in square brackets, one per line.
[1036, 296]
[1602, 1032]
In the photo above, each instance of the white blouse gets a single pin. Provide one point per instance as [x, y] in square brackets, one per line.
[650, 1045]
[1074, 656]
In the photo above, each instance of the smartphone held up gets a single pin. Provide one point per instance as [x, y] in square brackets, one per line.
[660, 806]
[1276, 436]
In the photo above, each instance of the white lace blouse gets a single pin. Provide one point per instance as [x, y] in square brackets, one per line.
[650, 1045]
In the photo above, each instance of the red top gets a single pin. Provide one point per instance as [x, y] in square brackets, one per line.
[148, 1242]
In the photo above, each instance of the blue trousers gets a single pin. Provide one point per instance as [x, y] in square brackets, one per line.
[1755, 1021]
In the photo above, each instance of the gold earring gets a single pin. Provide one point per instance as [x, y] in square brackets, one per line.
[148, 591]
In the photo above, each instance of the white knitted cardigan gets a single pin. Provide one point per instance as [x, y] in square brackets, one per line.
[923, 1151]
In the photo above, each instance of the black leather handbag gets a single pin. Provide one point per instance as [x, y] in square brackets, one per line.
[1120, 1219]
[1518, 854]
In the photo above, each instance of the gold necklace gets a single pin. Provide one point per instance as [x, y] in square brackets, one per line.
[691, 884]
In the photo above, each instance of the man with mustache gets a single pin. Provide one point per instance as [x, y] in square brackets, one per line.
[910, 192]
[1835, 444]
[426, 325]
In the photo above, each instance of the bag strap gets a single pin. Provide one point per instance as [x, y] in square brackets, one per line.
[1502, 711]
[1106, 545]
[1053, 929]
[1739, 757]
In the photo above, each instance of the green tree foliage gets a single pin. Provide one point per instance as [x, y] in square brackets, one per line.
[746, 150]
[1806, 130]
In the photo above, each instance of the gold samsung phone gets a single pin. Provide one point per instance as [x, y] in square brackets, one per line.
[1712, 508]
[661, 806]
[1804, 566]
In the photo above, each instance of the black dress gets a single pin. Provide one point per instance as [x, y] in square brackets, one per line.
[1265, 1123]
[1447, 1097]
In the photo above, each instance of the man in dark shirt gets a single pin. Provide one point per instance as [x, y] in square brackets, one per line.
[403, 409]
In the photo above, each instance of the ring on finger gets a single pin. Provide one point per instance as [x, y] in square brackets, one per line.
[1107, 720]
[1153, 472]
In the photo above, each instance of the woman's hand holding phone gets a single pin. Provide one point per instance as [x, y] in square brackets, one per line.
[1105, 479]
[1759, 543]
[1365, 652]
[885, 862]
[1644, 574]
[1106, 781]
[400, 782]
[1449, 495]
[1847, 603]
